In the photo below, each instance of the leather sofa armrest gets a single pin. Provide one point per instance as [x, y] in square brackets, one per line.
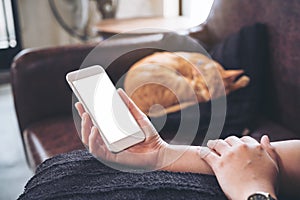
[202, 34]
[50, 137]
[275, 131]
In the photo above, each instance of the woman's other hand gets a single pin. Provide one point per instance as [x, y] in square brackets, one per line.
[243, 166]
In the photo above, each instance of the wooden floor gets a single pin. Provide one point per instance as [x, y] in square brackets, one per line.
[14, 172]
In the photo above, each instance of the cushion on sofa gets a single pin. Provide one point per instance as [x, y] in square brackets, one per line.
[41, 137]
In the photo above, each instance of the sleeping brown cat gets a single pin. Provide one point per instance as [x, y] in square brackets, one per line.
[175, 80]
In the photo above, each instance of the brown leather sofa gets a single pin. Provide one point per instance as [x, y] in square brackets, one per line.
[282, 96]
[43, 100]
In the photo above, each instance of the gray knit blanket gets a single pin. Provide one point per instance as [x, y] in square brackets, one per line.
[78, 175]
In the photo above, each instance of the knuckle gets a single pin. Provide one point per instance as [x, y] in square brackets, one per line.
[230, 154]
[221, 164]
[233, 137]
[228, 139]
[246, 137]
[258, 147]
[242, 146]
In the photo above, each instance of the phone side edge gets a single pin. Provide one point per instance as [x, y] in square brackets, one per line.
[83, 73]
[133, 139]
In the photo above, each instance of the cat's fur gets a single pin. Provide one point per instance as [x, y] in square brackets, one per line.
[176, 80]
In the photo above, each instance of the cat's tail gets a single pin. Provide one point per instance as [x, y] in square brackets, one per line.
[240, 83]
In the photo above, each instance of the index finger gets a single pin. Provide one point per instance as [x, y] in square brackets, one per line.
[265, 142]
[79, 108]
[208, 156]
[219, 146]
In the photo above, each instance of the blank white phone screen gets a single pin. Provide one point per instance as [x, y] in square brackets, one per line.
[106, 106]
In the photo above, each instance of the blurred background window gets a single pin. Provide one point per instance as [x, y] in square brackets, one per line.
[196, 9]
[38, 15]
[7, 28]
[39, 26]
[9, 44]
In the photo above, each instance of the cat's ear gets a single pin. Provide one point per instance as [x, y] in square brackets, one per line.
[232, 74]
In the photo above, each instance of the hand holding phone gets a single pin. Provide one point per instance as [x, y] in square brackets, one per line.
[145, 154]
[108, 112]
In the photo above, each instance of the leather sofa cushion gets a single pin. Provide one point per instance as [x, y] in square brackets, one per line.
[275, 131]
[42, 136]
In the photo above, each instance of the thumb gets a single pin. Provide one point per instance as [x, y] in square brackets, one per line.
[139, 116]
[135, 111]
[266, 144]
[208, 156]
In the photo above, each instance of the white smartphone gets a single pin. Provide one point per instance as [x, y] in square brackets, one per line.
[98, 95]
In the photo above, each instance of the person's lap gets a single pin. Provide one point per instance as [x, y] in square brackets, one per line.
[78, 175]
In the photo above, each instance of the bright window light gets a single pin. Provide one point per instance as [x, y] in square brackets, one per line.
[196, 9]
[7, 29]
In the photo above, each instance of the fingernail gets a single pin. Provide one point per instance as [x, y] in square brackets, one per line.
[210, 143]
[203, 151]
[268, 139]
[94, 129]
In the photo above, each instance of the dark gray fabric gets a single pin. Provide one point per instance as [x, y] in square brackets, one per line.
[77, 175]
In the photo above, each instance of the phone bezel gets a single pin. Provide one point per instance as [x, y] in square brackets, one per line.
[119, 145]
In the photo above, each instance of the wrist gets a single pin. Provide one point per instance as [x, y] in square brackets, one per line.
[162, 161]
[182, 158]
[261, 196]
[169, 158]
[259, 189]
